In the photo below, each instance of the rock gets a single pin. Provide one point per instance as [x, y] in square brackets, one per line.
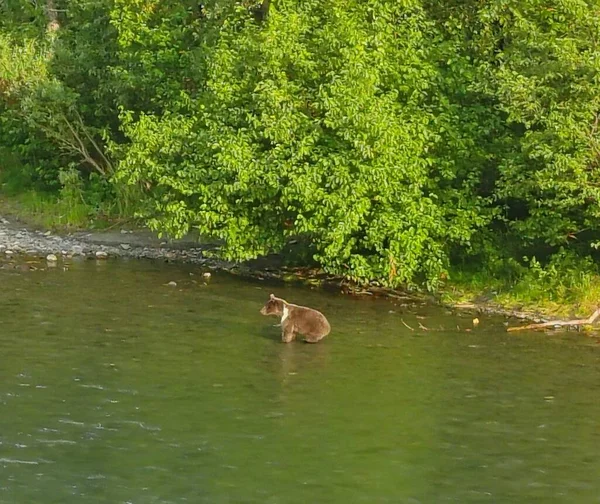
[51, 258]
[77, 250]
[125, 246]
[206, 275]
[8, 252]
[172, 284]
[101, 254]
[48, 233]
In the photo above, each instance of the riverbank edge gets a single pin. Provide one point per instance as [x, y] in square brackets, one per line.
[18, 238]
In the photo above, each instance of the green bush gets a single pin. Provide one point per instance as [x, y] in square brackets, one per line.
[316, 124]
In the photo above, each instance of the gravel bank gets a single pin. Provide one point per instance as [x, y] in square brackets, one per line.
[16, 240]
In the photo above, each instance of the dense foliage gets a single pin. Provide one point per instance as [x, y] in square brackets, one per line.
[393, 137]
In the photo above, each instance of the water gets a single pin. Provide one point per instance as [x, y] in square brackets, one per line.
[115, 388]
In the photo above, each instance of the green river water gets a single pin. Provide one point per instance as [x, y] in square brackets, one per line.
[116, 388]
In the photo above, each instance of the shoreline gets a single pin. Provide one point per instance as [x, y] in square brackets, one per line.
[17, 239]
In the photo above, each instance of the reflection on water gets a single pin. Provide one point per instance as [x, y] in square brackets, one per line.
[115, 387]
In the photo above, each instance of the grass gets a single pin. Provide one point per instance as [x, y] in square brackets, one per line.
[564, 288]
[48, 211]
[81, 202]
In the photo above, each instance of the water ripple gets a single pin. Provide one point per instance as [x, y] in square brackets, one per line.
[92, 386]
[70, 422]
[5, 460]
[56, 441]
[141, 424]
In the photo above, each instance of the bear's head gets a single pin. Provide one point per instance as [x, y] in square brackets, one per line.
[274, 306]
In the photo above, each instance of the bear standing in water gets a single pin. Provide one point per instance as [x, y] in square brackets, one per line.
[310, 323]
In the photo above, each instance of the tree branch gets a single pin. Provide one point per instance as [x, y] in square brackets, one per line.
[93, 142]
[83, 149]
[561, 323]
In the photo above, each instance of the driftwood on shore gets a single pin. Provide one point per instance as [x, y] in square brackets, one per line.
[559, 323]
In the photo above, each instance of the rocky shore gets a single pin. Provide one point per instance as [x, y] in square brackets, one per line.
[15, 240]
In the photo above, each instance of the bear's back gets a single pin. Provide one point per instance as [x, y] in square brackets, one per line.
[310, 323]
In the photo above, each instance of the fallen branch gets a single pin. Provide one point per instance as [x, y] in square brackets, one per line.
[560, 323]
[406, 325]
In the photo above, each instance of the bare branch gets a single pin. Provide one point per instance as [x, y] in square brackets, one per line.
[83, 149]
[559, 323]
[93, 142]
[406, 325]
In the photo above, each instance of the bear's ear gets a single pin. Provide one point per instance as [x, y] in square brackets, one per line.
[272, 296]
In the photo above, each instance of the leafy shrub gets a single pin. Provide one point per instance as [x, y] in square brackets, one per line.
[315, 125]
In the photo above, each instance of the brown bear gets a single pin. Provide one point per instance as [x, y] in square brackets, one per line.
[310, 323]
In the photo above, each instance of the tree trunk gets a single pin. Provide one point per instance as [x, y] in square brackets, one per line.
[52, 16]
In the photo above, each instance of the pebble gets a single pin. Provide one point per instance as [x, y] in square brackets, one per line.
[172, 284]
[51, 258]
[206, 275]
[125, 246]
[101, 254]
[8, 252]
